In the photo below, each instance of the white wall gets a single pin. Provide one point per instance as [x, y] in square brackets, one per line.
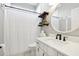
[42, 7]
[1, 30]
[20, 30]
[1, 24]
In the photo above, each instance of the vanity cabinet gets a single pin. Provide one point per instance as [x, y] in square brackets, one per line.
[60, 54]
[45, 50]
[40, 50]
[1, 51]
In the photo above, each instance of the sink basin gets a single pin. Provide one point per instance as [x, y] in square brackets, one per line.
[55, 41]
[73, 39]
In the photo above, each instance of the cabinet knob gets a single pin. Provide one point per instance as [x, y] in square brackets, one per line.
[38, 49]
[43, 54]
[0, 46]
[37, 42]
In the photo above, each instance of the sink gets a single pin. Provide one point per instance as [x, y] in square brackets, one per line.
[73, 39]
[54, 40]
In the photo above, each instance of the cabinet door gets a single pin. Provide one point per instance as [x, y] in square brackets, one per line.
[51, 52]
[60, 54]
[1, 52]
[37, 51]
[41, 53]
[45, 54]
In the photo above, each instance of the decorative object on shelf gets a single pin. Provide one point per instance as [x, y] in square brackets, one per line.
[44, 21]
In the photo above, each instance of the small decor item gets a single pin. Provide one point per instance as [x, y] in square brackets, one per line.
[43, 22]
[43, 15]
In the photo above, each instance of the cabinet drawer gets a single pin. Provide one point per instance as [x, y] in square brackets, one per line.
[59, 54]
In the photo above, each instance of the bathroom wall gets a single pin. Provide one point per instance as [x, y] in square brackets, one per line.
[1, 23]
[20, 30]
[49, 29]
[42, 7]
[1, 30]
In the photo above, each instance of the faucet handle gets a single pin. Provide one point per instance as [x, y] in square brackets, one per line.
[64, 38]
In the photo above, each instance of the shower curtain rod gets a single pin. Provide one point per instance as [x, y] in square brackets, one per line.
[21, 9]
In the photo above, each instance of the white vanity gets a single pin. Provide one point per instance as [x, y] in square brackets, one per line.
[49, 46]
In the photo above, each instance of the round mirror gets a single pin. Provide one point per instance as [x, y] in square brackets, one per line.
[65, 19]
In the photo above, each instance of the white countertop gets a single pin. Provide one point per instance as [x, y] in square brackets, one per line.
[68, 48]
[2, 45]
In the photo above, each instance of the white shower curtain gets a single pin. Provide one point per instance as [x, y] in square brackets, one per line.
[20, 30]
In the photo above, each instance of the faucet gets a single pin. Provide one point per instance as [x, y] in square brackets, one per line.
[59, 36]
[65, 38]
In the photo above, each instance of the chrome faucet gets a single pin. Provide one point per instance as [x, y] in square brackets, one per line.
[59, 36]
[65, 38]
